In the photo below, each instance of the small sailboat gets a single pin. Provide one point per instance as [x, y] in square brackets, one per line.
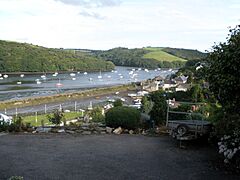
[22, 75]
[5, 76]
[19, 82]
[85, 73]
[139, 69]
[59, 84]
[100, 75]
[146, 70]
[78, 72]
[121, 77]
[1, 78]
[38, 82]
[73, 78]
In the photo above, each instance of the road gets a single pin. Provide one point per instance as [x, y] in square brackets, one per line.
[105, 157]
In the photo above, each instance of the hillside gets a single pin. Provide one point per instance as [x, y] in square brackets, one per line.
[188, 54]
[160, 55]
[22, 57]
[150, 57]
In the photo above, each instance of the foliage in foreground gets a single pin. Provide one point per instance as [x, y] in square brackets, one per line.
[158, 112]
[223, 69]
[97, 115]
[126, 117]
[56, 118]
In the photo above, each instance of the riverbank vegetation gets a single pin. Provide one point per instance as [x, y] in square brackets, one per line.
[23, 57]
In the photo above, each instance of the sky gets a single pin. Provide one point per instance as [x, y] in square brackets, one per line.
[106, 24]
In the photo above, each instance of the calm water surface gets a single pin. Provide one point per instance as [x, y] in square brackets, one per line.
[10, 87]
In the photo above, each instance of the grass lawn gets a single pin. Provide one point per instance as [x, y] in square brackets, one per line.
[161, 55]
[34, 122]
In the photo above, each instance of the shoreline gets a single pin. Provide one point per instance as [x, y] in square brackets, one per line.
[33, 101]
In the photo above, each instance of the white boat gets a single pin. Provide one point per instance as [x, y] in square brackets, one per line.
[131, 72]
[59, 84]
[1, 78]
[55, 74]
[139, 69]
[85, 73]
[146, 70]
[19, 82]
[73, 78]
[43, 77]
[5, 76]
[0, 75]
[38, 82]
[22, 75]
[121, 77]
[100, 75]
[109, 76]
[72, 74]
[78, 72]
[133, 69]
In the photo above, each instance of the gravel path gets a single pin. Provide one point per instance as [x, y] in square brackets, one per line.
[59, 156]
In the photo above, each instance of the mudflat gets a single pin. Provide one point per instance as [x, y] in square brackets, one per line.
[63, 156]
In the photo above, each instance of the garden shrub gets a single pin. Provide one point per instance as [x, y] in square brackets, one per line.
[117, 103]
[97, 115]
[126, 117]
[57, 117]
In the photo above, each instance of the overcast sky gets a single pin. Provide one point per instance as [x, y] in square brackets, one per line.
[105, 24]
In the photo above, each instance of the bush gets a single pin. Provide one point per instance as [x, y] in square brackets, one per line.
[126, 117]
[117, 103]
[97, 115]
[56, 118]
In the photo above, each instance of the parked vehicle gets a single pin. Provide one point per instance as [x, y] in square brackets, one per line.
[5, 119]
[187, 129]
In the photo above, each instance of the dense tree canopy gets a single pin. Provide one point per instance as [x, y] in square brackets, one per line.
[22, 57]
[223, 72]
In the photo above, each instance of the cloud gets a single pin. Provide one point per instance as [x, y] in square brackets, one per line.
[92, 3]
[92, 15]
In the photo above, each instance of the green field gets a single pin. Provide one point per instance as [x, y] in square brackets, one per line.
[36, 120]
[158, 54]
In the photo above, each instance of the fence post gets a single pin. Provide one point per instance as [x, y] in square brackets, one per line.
[16, 112]
[36, 118]
[75, 106]
[45, 109]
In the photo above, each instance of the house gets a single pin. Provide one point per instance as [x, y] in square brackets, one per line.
[154, 84]
[183, 87]
[169, 84]
[181, 79]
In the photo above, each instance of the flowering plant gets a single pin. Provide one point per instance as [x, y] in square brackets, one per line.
[229, 146]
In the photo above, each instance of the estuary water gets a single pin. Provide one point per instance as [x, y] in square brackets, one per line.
[15, 87]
